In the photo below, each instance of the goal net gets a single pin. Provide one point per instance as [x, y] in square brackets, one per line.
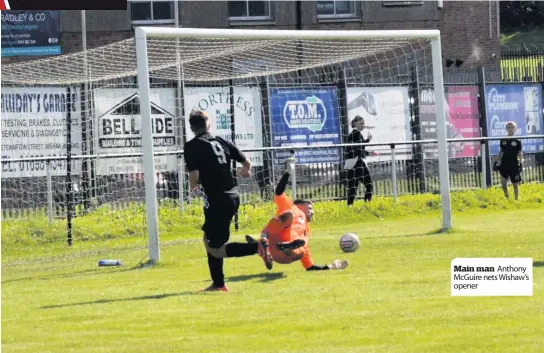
[118, 118]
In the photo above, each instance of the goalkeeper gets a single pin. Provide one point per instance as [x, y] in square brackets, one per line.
[288, 233]
[509, 161]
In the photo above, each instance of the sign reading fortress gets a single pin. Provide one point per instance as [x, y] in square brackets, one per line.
[34, 125]
[119, 129]
[215, 101]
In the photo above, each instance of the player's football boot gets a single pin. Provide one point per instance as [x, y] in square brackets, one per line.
[264, 253]
[295, 244]
[214, 288]
[250, 240]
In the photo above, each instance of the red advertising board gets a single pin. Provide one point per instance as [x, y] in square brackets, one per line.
[462, 120]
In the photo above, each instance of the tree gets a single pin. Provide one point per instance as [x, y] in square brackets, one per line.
[521, 15]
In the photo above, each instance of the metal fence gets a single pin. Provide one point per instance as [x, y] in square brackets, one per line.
[49, 196]
[524, 63]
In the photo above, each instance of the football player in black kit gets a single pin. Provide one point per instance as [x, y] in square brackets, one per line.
[208, 159]
[357, 170]
[508, 162]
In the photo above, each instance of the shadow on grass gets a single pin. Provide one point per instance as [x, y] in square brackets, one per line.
[105, 301]
[424, 234]
[263, 277]
[538, 263]
[77, 273]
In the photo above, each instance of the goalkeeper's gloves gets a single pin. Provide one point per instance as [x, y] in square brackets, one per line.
[338, 265]
[290, 165]
[290, 162]
[496, 165]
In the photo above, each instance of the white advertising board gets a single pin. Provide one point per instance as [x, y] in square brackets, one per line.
[34, 125]
[119, 129]
[386, 111]
[247, 115]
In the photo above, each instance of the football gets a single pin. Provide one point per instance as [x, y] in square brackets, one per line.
[349, 242]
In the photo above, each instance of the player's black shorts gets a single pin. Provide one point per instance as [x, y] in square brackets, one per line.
[217, 219]
[511, 172]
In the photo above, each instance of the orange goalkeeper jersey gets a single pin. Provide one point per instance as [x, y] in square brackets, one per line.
[289, 224]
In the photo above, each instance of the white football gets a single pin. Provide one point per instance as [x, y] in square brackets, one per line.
[349, 242]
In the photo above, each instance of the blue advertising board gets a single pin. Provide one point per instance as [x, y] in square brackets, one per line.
[306, 117]
[519, 103]
[30, 33]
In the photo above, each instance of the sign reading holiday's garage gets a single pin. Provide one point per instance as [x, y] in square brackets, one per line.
[34, 125]
[120, 129]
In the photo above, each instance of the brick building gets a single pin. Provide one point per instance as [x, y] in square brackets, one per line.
[469, 28]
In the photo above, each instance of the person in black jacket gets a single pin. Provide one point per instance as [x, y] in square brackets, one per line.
[357, 170]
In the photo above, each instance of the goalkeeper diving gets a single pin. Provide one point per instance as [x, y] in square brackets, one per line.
[288, 233]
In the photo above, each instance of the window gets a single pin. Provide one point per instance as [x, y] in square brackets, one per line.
[401, 3]
[151, 12]
[336, 9]
[250, 10]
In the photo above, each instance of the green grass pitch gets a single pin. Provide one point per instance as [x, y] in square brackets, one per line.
[394, 297]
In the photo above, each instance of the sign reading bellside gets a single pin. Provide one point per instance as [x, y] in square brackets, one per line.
[119, 129]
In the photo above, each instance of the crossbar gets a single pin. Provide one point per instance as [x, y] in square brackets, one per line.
[262, 34]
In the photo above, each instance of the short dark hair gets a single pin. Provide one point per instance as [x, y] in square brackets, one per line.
[300, 201]
[356, 120]
[198, 119]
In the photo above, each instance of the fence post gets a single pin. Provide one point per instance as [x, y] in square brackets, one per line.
[49, 191]
[181, 182]
[69, 186]
[483, 122]
[393, 173]
[417, 150]
[344, 123]
[483, 156]
[293, 159]
[233, 140]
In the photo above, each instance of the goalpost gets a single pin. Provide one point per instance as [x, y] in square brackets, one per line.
[213, 55]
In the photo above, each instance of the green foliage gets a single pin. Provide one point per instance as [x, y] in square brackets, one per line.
[521, 15]
[528, 38]
[105, 223]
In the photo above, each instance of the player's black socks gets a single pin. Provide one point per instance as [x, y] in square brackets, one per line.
[241, 249]
[368, 191]
[317, 268]
[216, 270]
[280, 188]
[295, 244]
[249, 239]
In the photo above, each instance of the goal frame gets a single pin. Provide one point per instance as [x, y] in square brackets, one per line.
[142, 33]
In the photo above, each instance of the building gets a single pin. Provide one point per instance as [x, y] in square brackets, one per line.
[470, 29]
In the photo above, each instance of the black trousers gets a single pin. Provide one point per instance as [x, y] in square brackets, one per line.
[359, 174]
